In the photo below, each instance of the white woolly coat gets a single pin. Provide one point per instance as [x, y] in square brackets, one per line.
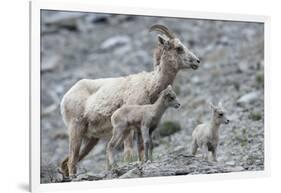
[96, 100]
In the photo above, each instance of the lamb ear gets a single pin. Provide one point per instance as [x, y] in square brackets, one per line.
[220, 104]
[213, 107]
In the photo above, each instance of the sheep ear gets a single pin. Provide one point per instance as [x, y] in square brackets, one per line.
[162, 39]
[220, 104]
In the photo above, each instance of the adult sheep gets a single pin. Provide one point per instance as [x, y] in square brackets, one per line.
[87, 107]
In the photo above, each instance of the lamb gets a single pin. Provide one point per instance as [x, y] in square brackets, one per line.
[206, 136]
[143, 119]
[87, 107]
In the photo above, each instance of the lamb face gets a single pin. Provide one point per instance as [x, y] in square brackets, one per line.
[221, 117]
[170, 98]
[219, 114]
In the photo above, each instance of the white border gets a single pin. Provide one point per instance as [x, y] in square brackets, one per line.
[86, 6]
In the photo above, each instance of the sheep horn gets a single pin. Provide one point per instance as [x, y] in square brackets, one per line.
[162, 29]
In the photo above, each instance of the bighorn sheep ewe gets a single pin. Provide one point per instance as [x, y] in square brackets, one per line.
[143, 119]
[87, 107]
[206, 136]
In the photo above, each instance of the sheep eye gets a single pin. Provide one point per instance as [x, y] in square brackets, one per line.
[220, 114]
[179, 49]
[171, 98]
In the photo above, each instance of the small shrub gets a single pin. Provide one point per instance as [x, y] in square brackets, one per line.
[168, 128]
[259, 77]
[242, 137]
[255, 116]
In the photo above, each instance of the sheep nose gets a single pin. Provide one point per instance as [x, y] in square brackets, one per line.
[227, 121]
[198, 61]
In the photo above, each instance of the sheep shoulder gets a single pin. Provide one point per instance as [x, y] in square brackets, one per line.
[133, 89]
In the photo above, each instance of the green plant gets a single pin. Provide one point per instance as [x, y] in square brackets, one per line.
[259, 77]
[168, 128]
[255, 116]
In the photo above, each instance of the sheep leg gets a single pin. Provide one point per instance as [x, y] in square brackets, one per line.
[150, 142]
[89, 145]
[128, 147]
[194, 147]
[139, 146]
[146, 142]
[85, 151]
[214, 154]
[150, 148]
[64, 167]
[205, 151]
[116, 139]
[141, 149]
[109, 152]
[75, 140]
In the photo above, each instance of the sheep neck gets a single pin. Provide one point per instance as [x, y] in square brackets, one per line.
[165, 75]
[159, 108]
[214, 126]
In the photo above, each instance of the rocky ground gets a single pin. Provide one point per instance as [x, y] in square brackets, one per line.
[84, 45]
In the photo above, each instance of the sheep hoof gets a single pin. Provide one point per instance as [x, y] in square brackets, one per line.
[111, 167]
[128, 157]
[148, 161]
[114, 167]
[205, 158]
[70, 178]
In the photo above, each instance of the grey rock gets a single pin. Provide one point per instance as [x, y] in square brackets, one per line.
[232, 163]
[248, 98]
[66, 18]
[243, 67]
[133, 173]
[123, 50]
[88, 177]
[98, 18]
[236, 169]
[49, 63]
[114, 42]
[195, 79]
